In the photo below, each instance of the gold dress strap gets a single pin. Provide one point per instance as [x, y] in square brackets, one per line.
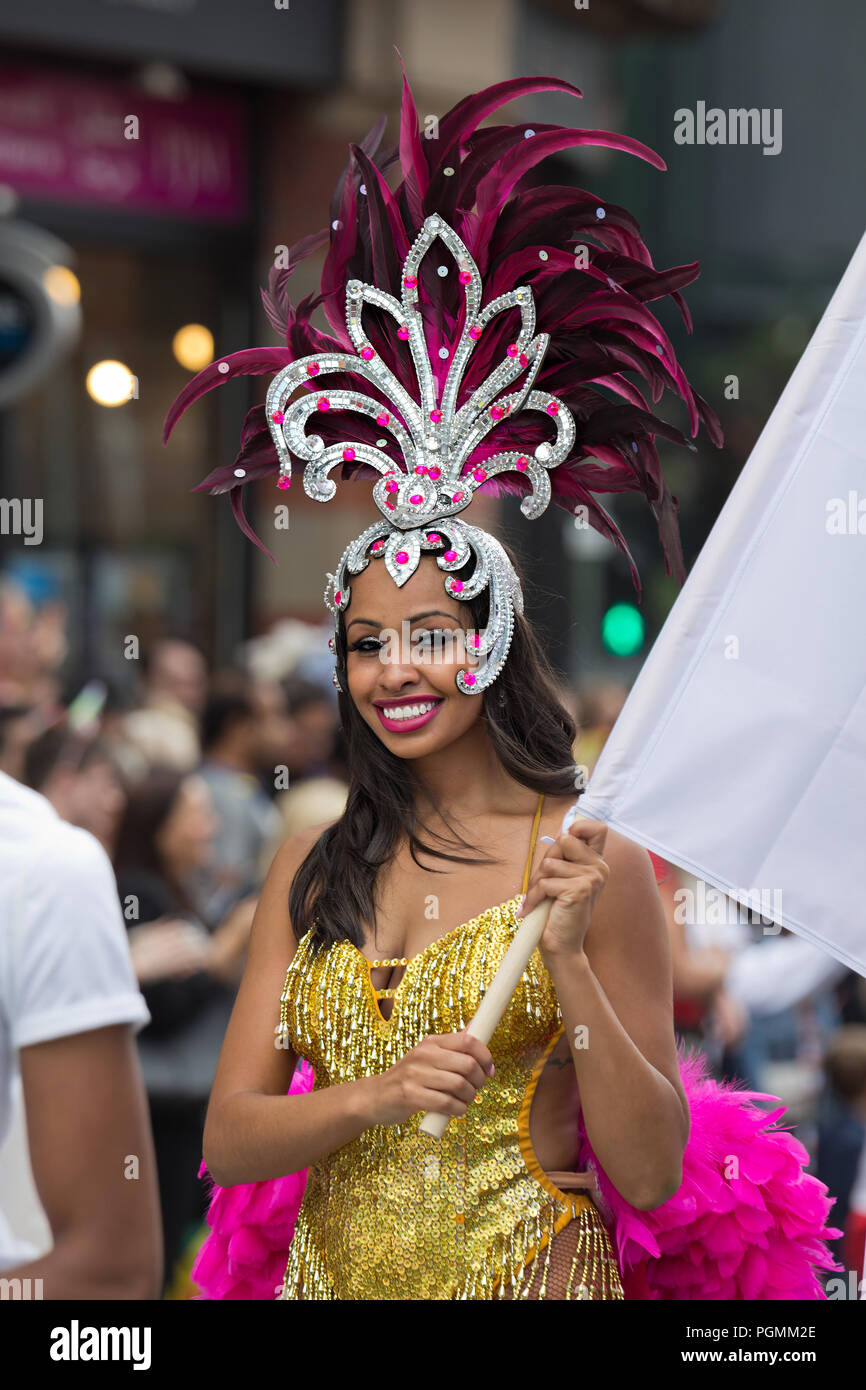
[536, 821]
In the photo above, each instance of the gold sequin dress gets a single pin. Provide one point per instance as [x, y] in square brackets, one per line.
[398, 1214]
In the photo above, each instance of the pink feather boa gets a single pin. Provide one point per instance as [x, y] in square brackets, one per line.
[758, 1235]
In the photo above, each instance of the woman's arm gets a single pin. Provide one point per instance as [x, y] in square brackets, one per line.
[615, 996]
[253, 1130]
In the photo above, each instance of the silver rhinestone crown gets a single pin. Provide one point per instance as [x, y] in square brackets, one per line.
[422, 504]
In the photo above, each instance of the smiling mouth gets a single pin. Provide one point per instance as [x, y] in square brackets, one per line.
[408, 715]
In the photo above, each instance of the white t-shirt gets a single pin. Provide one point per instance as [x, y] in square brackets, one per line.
[65, 965]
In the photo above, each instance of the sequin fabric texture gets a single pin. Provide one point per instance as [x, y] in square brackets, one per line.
[398, 1214]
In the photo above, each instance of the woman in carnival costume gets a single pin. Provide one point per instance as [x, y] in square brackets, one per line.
[480, 333]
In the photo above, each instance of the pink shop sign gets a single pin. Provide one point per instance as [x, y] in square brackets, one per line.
[86, 140]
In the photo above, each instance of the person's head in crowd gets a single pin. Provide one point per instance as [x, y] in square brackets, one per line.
[164, 730]
[845, 1066]
[17, 652]
[129, 759]
[167, 828]
[274, 728]
[33, 647]
[313, 720]
[157, 738]
[246, 723]
[229, 727]
[78, 775]
[312, 802]
[175, 670]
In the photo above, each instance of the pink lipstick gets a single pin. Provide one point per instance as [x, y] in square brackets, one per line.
[399, 725]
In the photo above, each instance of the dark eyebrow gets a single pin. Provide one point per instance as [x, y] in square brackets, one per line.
[434, 613]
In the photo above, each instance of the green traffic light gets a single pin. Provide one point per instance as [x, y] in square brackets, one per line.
[622, 629]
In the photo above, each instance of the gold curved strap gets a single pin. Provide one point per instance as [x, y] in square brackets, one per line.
[535, 824]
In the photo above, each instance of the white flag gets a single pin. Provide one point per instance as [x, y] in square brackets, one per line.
[740, 753]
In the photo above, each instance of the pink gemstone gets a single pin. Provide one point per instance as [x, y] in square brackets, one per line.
[468, 678]
[435, 416]
[433, 472]
[379, 545]
[323, 403]
[553, 408]
[278, 417]
[284, 481]
[512, 350]
[403, 332]
[464, 277]
[367, 353]
[496, 412]
[522, 461]
[455, 585]
[391, 487]
[410, 281]
[450, 554]
[401, 557]
[434, 537]
[338, 596]
[383, 418]
[420, 468]
[392, 505]
[476, 640]
[458, 497]
[348, 453]
[416, 499]
[475, 332]
[524, 360]
[312, 368]
[479, 474]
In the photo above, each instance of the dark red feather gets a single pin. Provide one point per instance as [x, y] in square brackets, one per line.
[594, 308]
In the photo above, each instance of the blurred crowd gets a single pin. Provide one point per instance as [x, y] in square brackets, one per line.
[191, 778]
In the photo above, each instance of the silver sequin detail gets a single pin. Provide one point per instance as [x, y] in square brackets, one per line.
[404, 525]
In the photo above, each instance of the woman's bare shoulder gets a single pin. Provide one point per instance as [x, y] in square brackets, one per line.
[630, 905]
[556, 806]
[293, 851]
[626, 855]
[618, 848]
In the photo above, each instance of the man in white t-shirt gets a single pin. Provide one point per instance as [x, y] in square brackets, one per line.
[70, 1007]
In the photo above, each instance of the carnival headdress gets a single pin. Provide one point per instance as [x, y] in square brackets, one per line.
[433, 291]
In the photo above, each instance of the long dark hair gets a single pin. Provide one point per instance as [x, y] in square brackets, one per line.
[530, 729]
[149, 805]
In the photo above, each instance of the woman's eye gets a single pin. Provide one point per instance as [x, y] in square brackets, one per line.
[424, 635]
[423, 640]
